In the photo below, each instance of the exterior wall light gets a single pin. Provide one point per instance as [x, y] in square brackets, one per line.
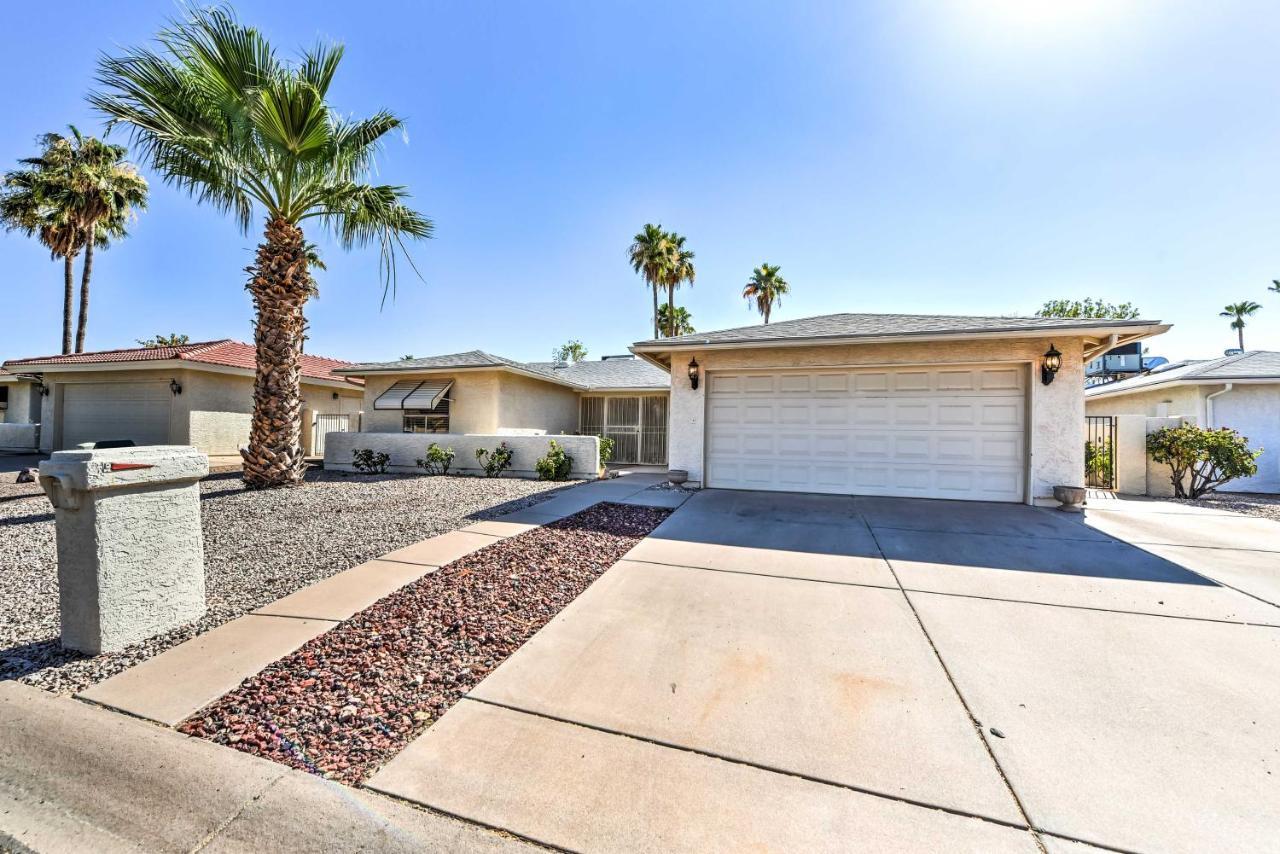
[694, 373]
[1051, 364]
[43, 389]
[175, 387]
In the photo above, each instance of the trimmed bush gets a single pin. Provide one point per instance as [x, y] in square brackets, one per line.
[367, 461]
[437, 460]
[1200, 459]
[556, 465]
[494, 462]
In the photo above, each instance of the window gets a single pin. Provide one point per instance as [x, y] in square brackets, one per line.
[427, 420]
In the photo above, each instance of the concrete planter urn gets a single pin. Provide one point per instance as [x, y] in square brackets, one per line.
[677, 476]
[1070, 498]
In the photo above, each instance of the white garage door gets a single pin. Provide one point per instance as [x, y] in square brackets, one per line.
[920, 431]
[93, 412]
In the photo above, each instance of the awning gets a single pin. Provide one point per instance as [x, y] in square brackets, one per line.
[414, 394]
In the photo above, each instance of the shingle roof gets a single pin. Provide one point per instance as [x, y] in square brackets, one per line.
[225, 352]
[1250, 365]
[882, 326]
[600, 375]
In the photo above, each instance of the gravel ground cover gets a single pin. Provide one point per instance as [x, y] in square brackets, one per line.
[348, 701]
[1263, 506]
[259, 546]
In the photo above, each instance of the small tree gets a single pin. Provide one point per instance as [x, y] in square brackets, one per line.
[155, 342]
[1088, 307]
[1202, 459]
[570, 351]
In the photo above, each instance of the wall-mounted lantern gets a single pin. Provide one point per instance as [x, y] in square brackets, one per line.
[175, 387]
[1051, 364]
[694, 373]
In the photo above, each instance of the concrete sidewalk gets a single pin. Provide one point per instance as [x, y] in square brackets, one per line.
[78, 778]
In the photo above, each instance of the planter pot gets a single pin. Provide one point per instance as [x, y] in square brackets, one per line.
[1070, 498]
[677, 476]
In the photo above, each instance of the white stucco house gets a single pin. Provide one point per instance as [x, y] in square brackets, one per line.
[197, 394]
[1241, 392]
[479, 394]
[884, 404]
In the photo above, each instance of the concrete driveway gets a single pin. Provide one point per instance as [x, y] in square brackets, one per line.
[798, 672]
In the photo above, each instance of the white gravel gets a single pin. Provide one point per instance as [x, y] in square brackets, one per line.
[1250, 504]
[259, 546]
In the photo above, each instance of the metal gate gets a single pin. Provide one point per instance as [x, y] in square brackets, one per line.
[1100, 451]
[327, 424]
[636, 424]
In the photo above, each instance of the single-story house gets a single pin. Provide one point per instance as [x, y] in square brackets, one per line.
[1240, 391]
[887, 404]
[191, 394]
[478, 393]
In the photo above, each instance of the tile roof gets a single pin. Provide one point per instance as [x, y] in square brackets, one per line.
[883, 326]
[598, 375]
[224, 352]
[1252, 364]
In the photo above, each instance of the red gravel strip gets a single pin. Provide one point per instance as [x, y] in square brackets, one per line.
[352, 698]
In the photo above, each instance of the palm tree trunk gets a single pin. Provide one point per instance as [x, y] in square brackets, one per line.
[1240, 329]
[671, 310]
[280, 285]
[86, 270]
[768, 307]
[655, 310]
[68, 292]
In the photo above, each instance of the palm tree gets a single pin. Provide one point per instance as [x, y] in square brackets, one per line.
[1275, 286]
[1238, 312]
[27, 205]
[216, 113]
[682, 324]
[679, 269]
[649, 257]
[766, 287]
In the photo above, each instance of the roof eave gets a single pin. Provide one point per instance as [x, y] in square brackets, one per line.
[1109, 390]
[360, 371]
[160, 365]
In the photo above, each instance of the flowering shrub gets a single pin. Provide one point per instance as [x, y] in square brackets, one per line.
[1201, 459]
[438, 459]
[556, 465]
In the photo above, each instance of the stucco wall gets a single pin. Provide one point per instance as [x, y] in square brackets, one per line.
[19, 437]
[406, 448]
[1253, 411]
[529, 404]
[24, 404]
[1181, 400]
[1056, 413]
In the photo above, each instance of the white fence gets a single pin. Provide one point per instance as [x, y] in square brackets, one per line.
[406, 448]
[324, 424]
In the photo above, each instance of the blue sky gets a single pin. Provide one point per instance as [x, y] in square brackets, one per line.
[918, 157]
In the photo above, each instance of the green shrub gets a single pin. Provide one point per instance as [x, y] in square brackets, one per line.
[437, 461]
[556, 465]
[606, 450]
[367, 461]
[1097, 461]
[1202, 459]
[494, 462]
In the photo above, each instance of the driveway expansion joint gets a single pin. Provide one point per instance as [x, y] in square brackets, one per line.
[761, 574]
[809, 778]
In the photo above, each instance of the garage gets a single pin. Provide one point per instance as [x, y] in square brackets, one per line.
[920, 431]
[94, 412]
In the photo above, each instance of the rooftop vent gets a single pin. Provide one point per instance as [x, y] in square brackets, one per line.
[613, 358]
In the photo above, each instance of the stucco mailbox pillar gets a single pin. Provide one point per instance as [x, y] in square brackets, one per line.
[130, 551]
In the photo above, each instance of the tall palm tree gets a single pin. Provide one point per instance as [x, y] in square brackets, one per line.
[679, 323]
[679, 269]
[27, 204]
[218, 115]
[766, 287]
[649, 257]
[1238, 311]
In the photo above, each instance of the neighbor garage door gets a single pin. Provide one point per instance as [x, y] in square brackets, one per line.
[921, 431]
[93, 412]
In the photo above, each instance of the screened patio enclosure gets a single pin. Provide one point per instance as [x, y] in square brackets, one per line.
[637, 424]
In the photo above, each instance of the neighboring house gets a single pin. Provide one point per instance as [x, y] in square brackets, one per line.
[886, 404]
[192, 394]
[478, 393]
[1240, 391]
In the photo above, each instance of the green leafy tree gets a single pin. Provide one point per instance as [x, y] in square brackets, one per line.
[1202, 459]
[766, 288]
[219, 115]
[1088, 307]
[682, 324]
[155, 342]
[1238, 311]
[649, 256]
[570, 351]
[678, 270]
[77, 195]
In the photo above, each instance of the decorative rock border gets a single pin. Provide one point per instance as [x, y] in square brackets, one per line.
[349, 700]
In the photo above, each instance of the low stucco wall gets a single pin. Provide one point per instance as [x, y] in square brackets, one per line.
[19, 437]
[1056, 411]
[406, 448]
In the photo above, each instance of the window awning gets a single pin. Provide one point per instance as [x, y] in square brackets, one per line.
[414, 394]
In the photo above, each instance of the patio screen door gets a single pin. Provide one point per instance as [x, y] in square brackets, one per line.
[637, 424]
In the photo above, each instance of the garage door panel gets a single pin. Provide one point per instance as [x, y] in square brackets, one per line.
[96, 412]
[943, 432]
